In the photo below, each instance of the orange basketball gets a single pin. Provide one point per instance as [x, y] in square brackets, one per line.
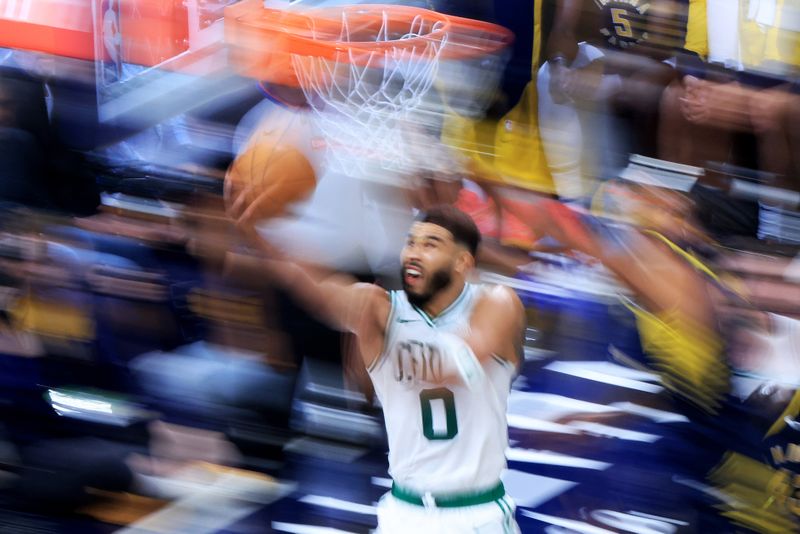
[265, 180]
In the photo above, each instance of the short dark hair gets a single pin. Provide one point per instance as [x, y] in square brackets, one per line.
[457, 222]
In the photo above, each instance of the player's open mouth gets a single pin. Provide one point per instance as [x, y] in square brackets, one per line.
[411, 275]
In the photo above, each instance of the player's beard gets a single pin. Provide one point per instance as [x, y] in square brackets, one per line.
[440, 279]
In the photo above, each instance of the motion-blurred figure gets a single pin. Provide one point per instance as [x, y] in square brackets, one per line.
[603, 77]
[39, 170]
[692, 333]
[738, 104]
[443, 347]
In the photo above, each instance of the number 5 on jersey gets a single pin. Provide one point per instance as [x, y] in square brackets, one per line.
[438, 404]
[621, 23]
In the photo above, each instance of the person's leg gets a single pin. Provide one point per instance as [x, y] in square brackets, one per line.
[562, 139]
[792, 128]
[673, 129]
[637, 105]
[578, 143]
[684, 141]
[769, 110]
[22, 177]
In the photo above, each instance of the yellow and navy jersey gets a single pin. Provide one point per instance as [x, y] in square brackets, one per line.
[756, 473]
[747, 446]
[503, 145]
[689, 356]
[626, 24]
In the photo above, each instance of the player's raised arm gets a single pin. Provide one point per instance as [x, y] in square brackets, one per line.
[268, 176]
[562, 42]
[335, 298]
[660, 278]
[673, 305]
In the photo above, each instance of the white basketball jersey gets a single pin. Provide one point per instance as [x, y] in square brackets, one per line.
[441, 439]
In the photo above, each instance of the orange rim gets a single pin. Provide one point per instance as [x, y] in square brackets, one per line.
[317, 32]
[471, 38]
[265, 39]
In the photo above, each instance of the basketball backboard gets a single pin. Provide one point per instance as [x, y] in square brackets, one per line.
[155, 59]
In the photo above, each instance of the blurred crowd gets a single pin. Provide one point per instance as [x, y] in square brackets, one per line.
[649, 148]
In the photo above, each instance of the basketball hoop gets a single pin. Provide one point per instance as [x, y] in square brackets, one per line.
[364, 69]
[476, 51]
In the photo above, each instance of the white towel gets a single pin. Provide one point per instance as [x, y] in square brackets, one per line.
[762, 11]
[723, 33]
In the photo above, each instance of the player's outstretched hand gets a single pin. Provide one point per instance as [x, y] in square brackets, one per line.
[264, 180]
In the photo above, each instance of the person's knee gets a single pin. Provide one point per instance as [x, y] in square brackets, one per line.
[792, 114]
[766, 111]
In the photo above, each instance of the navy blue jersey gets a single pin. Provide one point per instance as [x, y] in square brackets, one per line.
[626, 24]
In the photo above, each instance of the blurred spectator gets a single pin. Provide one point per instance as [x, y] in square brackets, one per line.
[739, 105]
[600, 86]
[24, 123]
[38, 170]
[241, 368]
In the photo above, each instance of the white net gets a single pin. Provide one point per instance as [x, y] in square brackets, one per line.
[364, 96]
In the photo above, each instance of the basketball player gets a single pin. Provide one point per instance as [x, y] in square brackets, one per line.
[605, 68]
[729, 374]
[441, 354]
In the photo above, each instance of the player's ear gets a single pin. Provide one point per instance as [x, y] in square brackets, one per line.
[465, 261]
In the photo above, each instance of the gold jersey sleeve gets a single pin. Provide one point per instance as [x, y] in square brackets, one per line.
[508, 150]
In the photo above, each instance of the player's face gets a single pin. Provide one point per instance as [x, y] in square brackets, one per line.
[428, 261]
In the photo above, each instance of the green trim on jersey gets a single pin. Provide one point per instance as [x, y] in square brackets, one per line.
[455, 500]
[425, 316]
[508, 514]
[432, 320]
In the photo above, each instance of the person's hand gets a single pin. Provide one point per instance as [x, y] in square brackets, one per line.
[694, 103]
[264, 181]
[583, 83]
[721, 105]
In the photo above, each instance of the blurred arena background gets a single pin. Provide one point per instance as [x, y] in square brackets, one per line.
[145, 387]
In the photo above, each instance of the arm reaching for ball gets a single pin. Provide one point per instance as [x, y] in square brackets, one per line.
[264, 180]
